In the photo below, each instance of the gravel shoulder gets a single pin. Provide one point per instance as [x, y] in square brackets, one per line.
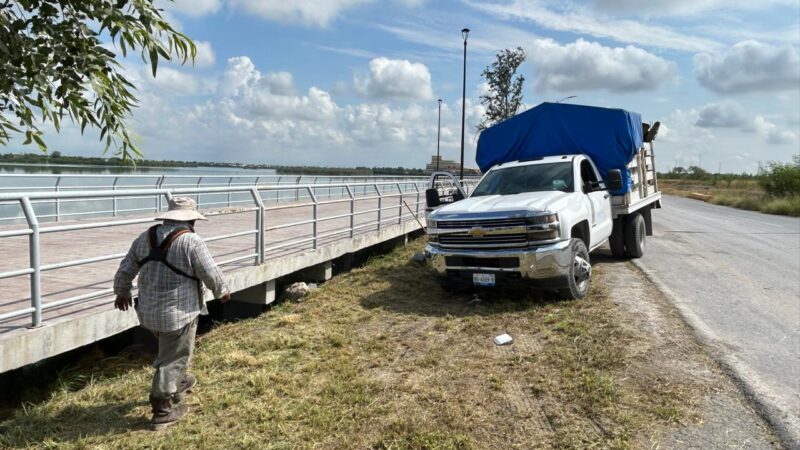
[723, 417]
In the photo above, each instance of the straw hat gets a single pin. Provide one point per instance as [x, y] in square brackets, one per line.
[182, 209]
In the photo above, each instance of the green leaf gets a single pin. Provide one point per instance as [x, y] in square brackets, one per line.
[154, 60]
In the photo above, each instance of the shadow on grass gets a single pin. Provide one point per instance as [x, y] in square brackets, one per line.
[412, 289]
[70, 424]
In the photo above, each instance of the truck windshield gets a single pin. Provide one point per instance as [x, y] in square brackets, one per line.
[530, 178]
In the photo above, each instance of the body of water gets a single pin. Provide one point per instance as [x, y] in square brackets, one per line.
[43, 178]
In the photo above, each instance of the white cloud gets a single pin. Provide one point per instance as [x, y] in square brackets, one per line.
[205, 56]
[280, 83]
[772, 133]
[170, 82]
[316, 13]
[492, 37]
[726, 114]
[683, 7]
[193, 8]
[585, 65]
[749, 66]
[575, 19]
[395, 78]
[730, 114]
[262, 116]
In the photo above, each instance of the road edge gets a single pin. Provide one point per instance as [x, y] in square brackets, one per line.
[785, 426]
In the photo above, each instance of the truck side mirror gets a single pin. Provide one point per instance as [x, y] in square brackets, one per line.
[614, 180]
[432, 198]
[457, 196]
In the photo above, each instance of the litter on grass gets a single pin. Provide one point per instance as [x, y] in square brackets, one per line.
[503, 339]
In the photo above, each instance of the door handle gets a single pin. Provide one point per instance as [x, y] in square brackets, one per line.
[605, 196]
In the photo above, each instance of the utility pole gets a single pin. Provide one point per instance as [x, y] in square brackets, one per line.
[464, 34]
[438, 135]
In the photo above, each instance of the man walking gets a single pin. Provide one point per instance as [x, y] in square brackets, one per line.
[173, 263]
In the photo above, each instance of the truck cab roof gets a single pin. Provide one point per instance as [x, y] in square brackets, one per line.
[540, 160]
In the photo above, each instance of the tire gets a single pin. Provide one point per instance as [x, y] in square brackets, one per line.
[617, 239]
[635, 231]
[580, 271]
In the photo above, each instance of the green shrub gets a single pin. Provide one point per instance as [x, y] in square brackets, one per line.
[782, 179]
[787, 206]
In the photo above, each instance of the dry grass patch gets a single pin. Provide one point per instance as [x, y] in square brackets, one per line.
[383, 358]
[742, 194]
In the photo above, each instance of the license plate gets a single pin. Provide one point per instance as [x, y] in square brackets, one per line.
[483, 279]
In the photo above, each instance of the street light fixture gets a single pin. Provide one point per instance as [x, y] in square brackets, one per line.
[464, 34]
[438, 135]
[566, 98]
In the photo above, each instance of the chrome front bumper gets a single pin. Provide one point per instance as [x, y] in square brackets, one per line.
[544, 262]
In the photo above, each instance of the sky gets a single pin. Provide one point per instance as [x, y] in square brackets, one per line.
[356, 82]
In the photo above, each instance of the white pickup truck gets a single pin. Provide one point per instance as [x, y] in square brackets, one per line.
[538, 220]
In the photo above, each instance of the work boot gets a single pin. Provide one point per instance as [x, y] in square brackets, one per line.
[185, 387]
[164, 413]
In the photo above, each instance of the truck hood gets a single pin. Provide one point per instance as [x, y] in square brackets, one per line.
[505, 204]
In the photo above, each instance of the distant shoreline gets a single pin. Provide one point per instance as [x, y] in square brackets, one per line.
[56, 159]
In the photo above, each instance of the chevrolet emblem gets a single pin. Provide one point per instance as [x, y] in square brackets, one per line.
[477, 232]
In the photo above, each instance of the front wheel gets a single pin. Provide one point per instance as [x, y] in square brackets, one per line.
[580, 272]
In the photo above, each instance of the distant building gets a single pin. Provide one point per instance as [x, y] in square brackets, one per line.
[445, 165]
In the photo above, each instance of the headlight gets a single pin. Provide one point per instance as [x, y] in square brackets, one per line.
[431, 223]
[543, 227]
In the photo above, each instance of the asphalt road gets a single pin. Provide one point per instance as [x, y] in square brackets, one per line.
[737, 275]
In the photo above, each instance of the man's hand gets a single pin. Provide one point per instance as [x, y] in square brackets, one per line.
[226, 297]
[123, 303]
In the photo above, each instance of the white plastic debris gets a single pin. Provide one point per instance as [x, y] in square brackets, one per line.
[503, 339]
[418, 257]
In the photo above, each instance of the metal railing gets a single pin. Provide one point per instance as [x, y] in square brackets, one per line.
[403, 196]
[58, 208]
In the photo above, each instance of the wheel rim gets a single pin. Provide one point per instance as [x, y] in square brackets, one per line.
[582, 271]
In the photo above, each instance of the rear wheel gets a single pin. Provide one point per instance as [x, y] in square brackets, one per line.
[617, 239]
[635, 231]
[580, 272]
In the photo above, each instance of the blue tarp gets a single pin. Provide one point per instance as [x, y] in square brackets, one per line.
[611, 137]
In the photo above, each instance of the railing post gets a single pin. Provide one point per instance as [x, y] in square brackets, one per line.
[380, 205]
[199, 180]
[33, 249]
[58, 201]
[416, 186]
[259, 225]
[400, 209]
[159, 185]
[114, 188]
[230, 181]
[314, 212]
[352, 210]
[297, 191]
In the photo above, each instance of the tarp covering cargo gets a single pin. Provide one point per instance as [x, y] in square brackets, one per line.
[611, 137]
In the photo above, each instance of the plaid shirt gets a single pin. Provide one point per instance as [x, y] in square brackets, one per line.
[168, 301]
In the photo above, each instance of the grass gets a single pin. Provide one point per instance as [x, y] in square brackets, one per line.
[742, 194]
[383, 358]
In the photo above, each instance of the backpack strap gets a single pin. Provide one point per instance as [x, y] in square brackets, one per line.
[159, 252]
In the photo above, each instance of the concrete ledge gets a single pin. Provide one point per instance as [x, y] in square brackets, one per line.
[27, 346]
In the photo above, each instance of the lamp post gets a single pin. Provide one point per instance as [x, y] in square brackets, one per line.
[464, 34]
[438, 135]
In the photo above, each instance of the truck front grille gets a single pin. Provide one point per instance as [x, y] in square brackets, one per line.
[499, 240]
[484, 223]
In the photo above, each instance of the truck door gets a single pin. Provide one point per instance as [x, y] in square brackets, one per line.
[600, 201]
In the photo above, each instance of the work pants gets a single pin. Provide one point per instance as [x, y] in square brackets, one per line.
[175, 350]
